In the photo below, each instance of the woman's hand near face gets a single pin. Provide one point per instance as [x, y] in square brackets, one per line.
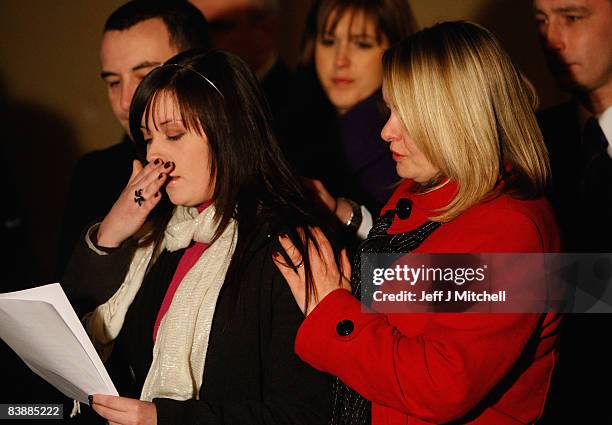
[124, 411]
[133, 206]
[326, 275]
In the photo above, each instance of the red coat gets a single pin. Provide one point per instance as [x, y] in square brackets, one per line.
[435, 368]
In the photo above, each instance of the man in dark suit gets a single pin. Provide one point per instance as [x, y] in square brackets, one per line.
[138, 36]
[576, 36]
[577, 40]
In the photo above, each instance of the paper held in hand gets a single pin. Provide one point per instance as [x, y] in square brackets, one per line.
[40, 325]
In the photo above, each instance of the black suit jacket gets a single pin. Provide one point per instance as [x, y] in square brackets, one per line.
[251, 374]
[97, 180]
[583, 208]
[581, 190]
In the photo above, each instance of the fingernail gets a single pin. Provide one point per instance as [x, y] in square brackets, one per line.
[161, 175]
[156, 194]
[168, 164]
[275, 254]
[283, 235]
[157, 161]
[90, 398]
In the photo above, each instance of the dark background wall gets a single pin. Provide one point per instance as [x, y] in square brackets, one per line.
[54, 106]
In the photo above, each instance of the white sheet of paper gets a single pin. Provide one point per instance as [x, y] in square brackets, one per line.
[40, 325]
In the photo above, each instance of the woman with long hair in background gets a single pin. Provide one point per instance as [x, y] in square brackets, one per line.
[338, 111]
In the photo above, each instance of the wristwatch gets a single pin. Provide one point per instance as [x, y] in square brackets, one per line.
[355, 219]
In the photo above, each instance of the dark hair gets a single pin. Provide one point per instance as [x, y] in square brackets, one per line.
[186, 25]
[253, 182]
[393, 19]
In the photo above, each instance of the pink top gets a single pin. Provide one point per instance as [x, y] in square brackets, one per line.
[189, 258]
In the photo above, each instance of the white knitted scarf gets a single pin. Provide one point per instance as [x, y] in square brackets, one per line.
[180, 347]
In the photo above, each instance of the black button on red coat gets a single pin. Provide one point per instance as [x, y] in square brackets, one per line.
[345, 327]
[403, 208]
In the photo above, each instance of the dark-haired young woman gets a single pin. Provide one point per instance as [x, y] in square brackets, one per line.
[338, 111]
[188, 299]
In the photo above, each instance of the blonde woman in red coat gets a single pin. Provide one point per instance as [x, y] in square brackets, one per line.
[464, 137]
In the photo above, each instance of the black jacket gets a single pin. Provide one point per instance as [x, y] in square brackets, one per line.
[98, 179]
[584, 209]
[581, 190]
[251, 374]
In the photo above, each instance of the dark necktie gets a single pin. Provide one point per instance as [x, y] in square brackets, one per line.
[594, 139]
[595, 153]
[596, 189]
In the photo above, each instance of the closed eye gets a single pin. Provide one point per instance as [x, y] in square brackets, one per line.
[175, 137]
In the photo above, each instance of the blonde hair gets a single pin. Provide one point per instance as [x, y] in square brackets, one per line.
[469, 110]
